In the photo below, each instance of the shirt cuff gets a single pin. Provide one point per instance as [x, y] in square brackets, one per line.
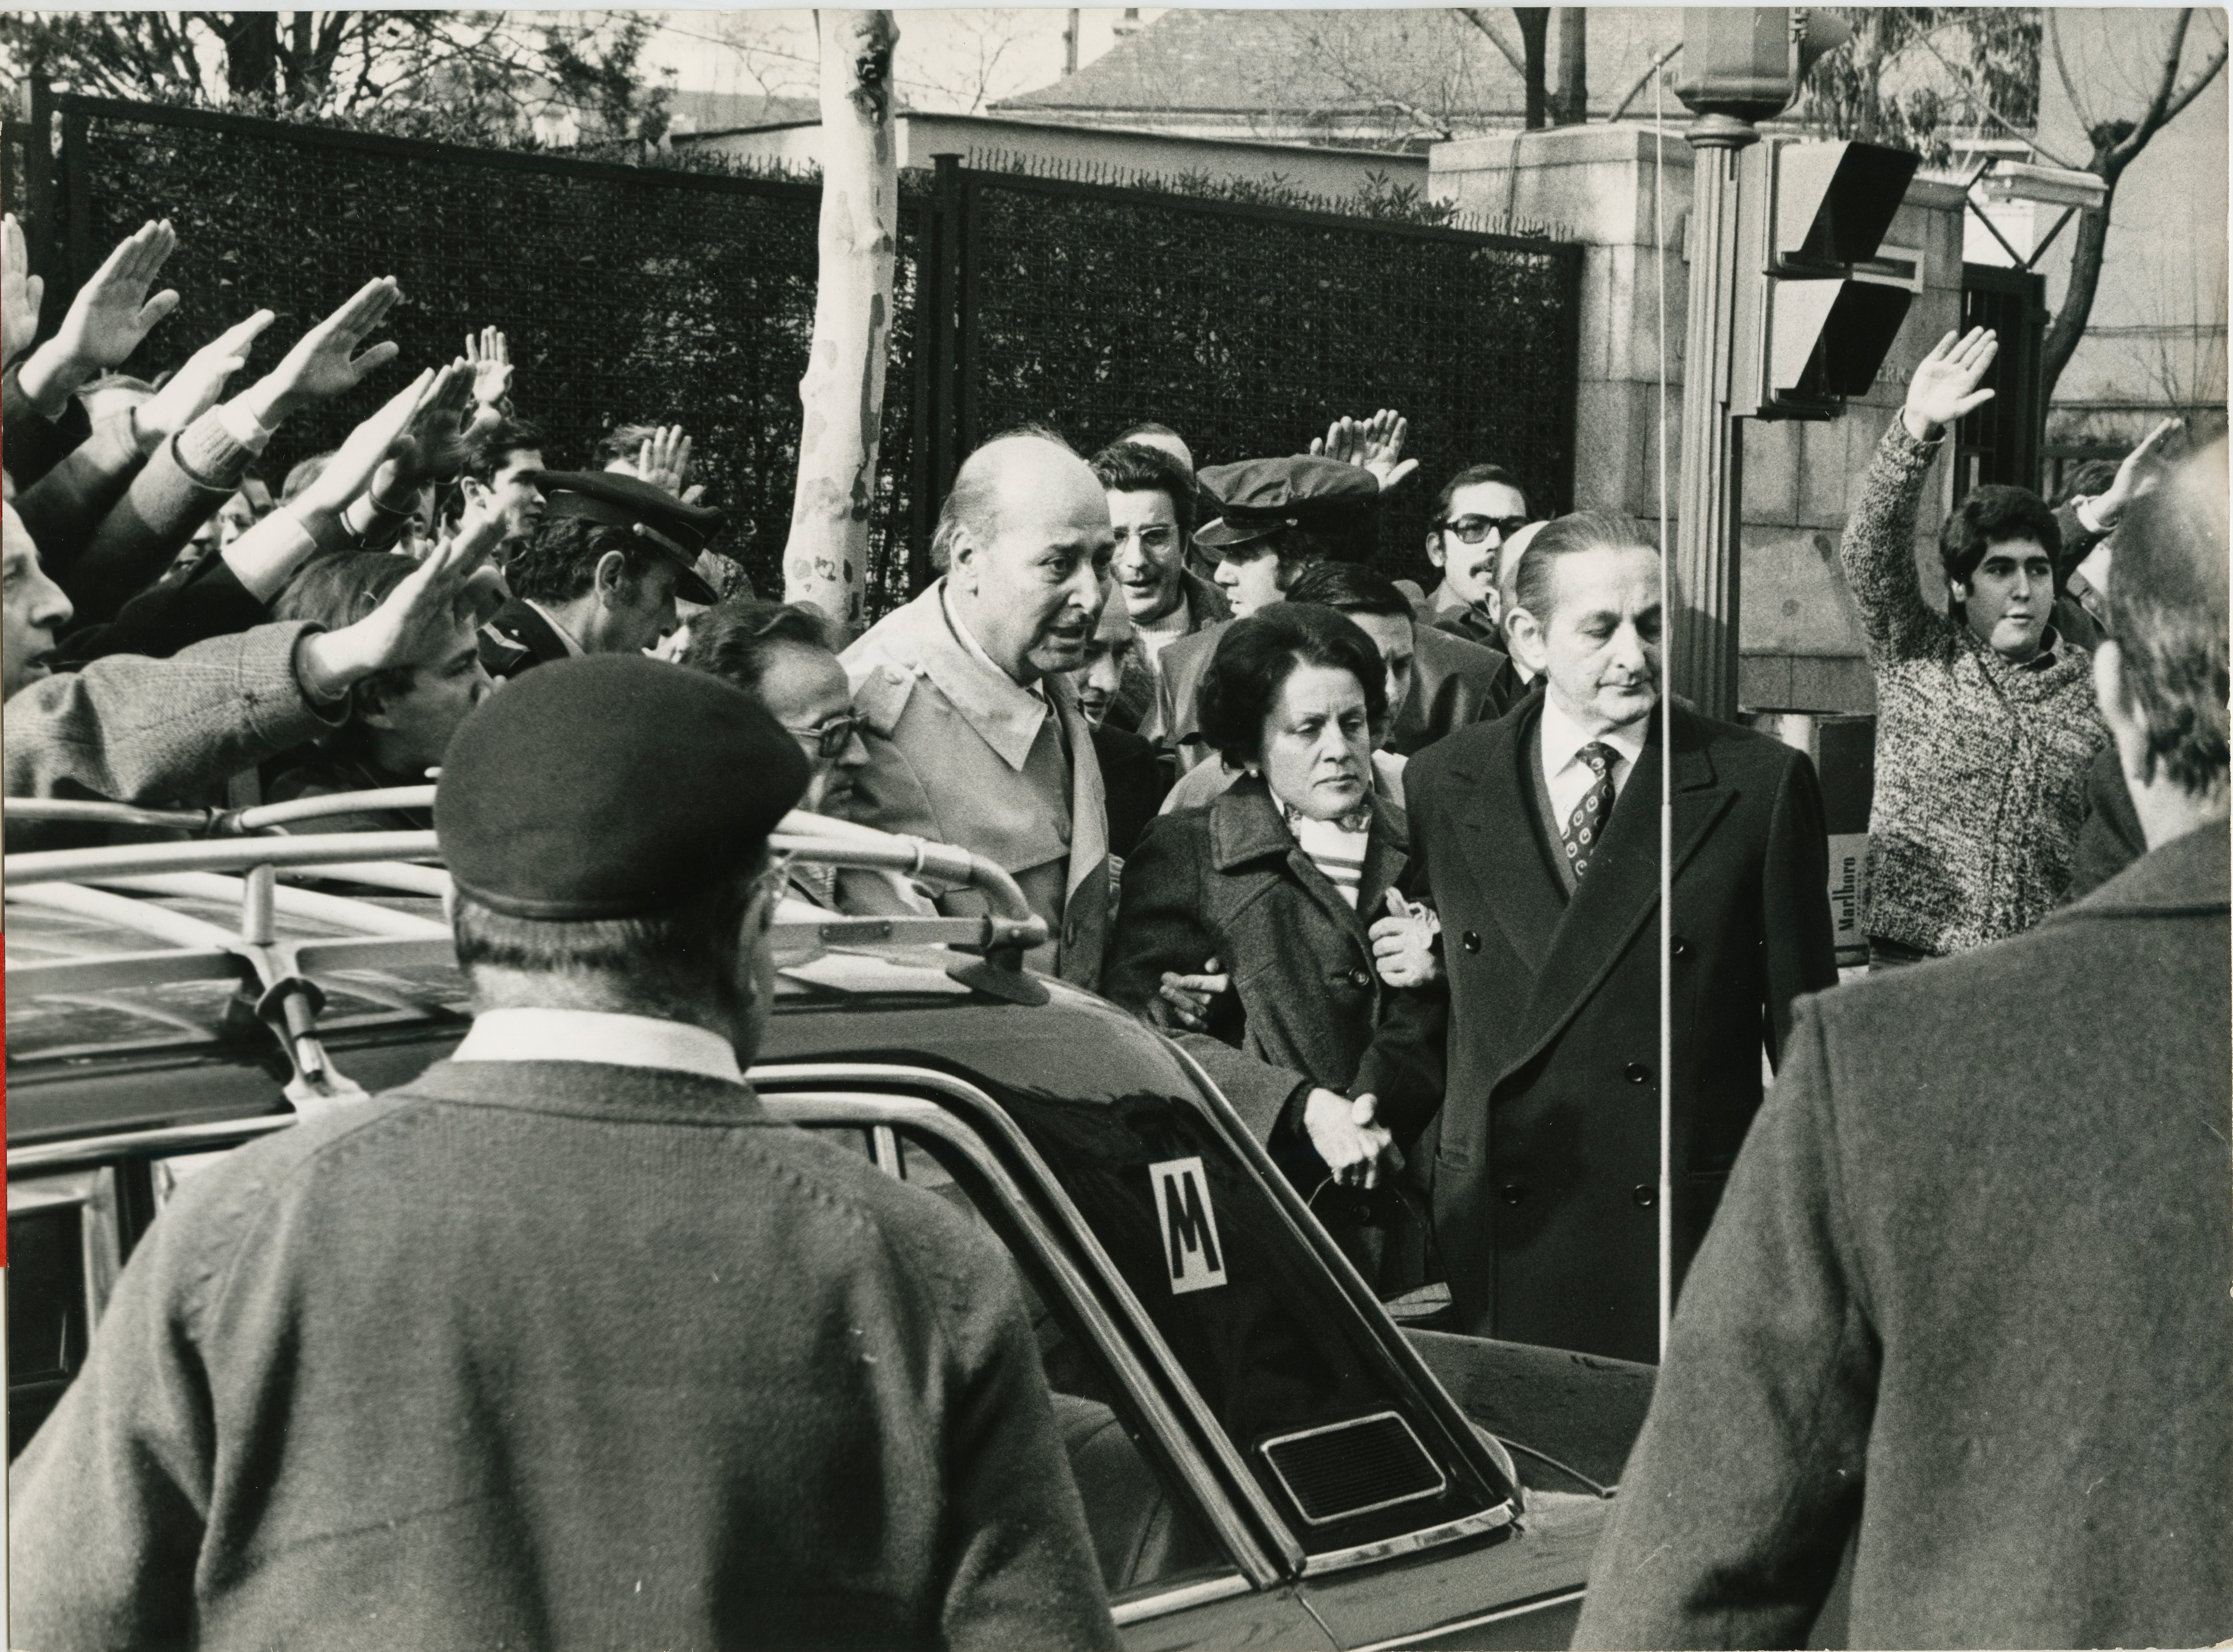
[2087, 517]
[243, 426]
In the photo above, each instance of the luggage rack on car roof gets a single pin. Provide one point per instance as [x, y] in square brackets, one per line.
[256, 844]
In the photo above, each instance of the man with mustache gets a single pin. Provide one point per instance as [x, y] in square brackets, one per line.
[973, 731]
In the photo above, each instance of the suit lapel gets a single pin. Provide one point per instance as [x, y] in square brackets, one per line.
[1089, 807]
[1621, 890]
[1524, 893]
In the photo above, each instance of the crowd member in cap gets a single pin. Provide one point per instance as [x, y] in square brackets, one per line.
[1151, 503]
[1480, 509]
[660, 455]
[1278, 878]
[253, 1455]
[171, 731]
[975, 735]
[609, 556]
[1536, 838]
[1279, 515]
[401, 720]
[1134, 777]
[1962, 1321]
[779, 655]
[1986, 723]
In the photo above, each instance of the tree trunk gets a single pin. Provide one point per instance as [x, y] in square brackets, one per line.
[1571, 106]
[2068, 327]
[1534, 26]
[826, 560]
[251, 52]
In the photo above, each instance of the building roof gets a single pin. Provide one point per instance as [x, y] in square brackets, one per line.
[703, 111]
[1416, 71]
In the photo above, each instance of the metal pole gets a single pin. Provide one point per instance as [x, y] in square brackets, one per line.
[1704, 657]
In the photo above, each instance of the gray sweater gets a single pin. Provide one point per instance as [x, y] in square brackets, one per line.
[1981, 762]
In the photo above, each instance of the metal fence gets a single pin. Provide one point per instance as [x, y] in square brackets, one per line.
[651, 294]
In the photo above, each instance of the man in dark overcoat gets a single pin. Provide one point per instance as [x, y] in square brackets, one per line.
[567, 1343]
[1537, 838]
[1963, 1320]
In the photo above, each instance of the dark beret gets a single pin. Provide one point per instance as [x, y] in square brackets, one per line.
[1259, 496]
[610, 786]
[633, 505]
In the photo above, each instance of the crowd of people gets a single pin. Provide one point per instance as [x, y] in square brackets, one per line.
[1387, 861]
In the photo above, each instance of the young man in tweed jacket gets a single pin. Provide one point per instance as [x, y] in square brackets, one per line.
[1986, 721]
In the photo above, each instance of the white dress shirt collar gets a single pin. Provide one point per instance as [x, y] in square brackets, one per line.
[1565, 776]
[599, 1036]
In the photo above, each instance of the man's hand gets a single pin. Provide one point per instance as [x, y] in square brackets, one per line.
[323, 362]
[194, 388]
[1944, 386]
[350, 471]
[664, 460]
[2134, 477]
[1189, 997]
[490, 356]
[1356, 1147]
[435, 446]
[107, 320]
[1403, 944]
[1375, 443]
[419, 621]
[21, 293]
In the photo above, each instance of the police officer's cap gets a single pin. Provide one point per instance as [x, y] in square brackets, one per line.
[610, 786]
[633, 505]
[1259, 496]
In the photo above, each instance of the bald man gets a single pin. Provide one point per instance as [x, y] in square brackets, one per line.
[971, 722]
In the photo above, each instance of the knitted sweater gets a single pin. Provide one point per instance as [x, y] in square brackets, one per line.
[1981, 762]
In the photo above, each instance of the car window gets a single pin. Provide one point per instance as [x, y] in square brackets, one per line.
[1147, 1529]
[61, 1261]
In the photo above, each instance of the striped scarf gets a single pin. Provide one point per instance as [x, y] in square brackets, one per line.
[1335, 847]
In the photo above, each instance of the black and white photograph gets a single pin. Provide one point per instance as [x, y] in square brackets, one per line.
[1315, 831]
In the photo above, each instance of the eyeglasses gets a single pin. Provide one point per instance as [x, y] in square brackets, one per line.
[1156, 537]
[829, 740]
[1472, 530]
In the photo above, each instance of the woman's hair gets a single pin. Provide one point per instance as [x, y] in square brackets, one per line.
[1582, 531]
[735, 639]
[1996, 515]
[1257, 655]
[1130, 467]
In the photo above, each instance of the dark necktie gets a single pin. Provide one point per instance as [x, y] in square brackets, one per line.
[1580, 835]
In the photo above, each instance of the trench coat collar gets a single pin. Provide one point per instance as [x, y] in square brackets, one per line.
[1006, 716]
[1246, 825]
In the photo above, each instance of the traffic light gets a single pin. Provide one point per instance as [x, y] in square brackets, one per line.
[1747, 62]
[1810, 329]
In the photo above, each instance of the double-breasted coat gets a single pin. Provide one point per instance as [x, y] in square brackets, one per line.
[1307, 1007]
[1545, 1174]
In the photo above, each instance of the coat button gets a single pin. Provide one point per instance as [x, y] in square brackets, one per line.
[1679, 948]
[1360, 978]
[1513, 1192]
[1646, 1196]
[1471, 941]
[1638, 1073]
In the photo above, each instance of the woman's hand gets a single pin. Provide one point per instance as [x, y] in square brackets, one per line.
[1188, 998]
[1356, 1147]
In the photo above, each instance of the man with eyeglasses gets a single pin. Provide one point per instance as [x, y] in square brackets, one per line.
[1151, 507]
[1480, 509]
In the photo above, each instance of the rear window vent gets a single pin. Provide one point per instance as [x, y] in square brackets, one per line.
[1345, 1469]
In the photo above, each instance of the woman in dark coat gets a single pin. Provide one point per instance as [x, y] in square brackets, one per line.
[1280, 879]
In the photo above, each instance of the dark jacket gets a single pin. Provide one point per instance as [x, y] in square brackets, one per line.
[1545, 1178]
[1228, 881]
[1133, 781]
[1454, 683]
[323, 772]
[208, 601]
[554, 1354]
[517, 638]
[1134, 699]
[1967, 1299]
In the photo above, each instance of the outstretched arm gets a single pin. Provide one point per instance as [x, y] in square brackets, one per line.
[1879, 550]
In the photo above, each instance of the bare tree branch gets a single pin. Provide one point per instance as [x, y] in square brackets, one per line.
[2202, 76]
[1984, 104]
[2062, 69]
[1479, 19]
[1644, 80]
[2152, 117]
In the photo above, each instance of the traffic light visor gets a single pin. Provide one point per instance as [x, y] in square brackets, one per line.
[1829, 338]
[1834, 202]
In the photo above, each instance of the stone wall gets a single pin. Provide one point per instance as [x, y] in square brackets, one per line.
[1800, 639]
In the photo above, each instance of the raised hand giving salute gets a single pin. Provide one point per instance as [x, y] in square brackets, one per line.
[1945, 385]
[325, 362]
[111, 315]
